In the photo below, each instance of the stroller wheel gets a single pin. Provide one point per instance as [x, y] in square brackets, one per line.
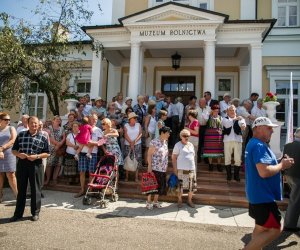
[114, 197]
[87, 200]
[103, 204]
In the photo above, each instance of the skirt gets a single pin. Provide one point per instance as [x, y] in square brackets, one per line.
[213, 144]
[187, 180]
[70, 165]
[161, 178]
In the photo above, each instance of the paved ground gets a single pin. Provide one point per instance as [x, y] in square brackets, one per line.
[65, 223]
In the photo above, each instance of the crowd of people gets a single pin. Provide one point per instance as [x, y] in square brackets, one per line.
[147, 127]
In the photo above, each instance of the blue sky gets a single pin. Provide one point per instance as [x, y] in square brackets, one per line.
[21, 9]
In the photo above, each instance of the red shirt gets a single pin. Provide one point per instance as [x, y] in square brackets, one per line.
[193, 125]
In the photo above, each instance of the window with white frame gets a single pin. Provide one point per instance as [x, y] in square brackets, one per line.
[83, 87]
[283, 93]
[37, 102]
[288, 13]
[203, 4]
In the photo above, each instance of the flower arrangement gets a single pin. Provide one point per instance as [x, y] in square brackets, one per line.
[67, 94]
[270, 97]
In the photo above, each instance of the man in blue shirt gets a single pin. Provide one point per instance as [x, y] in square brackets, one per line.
[263, 184]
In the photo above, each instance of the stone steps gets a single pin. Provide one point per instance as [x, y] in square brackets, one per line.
[213, 189]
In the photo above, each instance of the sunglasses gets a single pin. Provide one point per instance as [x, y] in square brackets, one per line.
[185, 136]
[103, 124]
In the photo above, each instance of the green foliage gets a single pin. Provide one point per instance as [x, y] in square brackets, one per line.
[41, 54]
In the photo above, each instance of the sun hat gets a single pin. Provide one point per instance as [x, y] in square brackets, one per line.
[98, 99]
[132, 115]
[263, 121]
[226, 94]
[127, 99]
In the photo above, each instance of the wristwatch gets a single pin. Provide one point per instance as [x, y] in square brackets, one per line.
[38, 157]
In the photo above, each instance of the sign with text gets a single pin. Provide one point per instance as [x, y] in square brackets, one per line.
[172, 32]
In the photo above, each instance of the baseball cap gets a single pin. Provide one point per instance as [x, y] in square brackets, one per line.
[98, 99]
[263, 121]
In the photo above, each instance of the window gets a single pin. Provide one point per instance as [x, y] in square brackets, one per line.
[283, 92]
[36, 102]
[203, 6]
[288, 13]
[83, 87]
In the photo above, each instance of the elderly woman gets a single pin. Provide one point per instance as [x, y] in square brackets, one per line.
[183, 160]
[213, 139]
[150, 125]
[57, 140]
[133, 142]
[140, 110]
[70, 164]
[158, 163]
[71, 118]
[8, 136]
[258, 110]
[111, 136]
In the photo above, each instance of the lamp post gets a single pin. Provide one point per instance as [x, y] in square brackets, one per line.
[176, 61]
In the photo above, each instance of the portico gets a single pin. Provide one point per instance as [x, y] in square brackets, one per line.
[213, 50]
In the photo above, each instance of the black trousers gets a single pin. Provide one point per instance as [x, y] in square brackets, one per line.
[34, 173]
[175, 130]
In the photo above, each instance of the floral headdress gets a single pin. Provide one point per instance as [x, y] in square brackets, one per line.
[270, 97]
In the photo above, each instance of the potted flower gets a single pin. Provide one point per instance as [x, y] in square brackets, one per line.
[70, 97]
[270, 103]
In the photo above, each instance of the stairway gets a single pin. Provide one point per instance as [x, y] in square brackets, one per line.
[213, 189]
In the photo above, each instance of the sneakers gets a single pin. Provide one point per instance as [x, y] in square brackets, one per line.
[88, 155]
[149, 206]
[35, 218]
[76, 157]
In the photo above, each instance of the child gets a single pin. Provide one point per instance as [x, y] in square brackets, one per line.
[83, 138]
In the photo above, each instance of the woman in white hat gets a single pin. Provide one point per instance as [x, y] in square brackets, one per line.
[133, 142]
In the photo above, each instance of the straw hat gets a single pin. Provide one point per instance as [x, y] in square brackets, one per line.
[132, 115]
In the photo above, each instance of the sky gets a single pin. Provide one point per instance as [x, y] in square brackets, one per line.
[21, 9]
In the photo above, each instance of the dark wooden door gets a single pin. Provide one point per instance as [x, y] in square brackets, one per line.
[175, 86]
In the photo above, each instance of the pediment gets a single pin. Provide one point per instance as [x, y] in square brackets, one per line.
[173, 12]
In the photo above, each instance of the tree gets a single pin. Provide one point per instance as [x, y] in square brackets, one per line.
[41, 54]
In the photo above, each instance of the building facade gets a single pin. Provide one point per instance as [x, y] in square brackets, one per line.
[235, 46]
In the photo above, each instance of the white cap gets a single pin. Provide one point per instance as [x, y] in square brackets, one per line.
[127, 99]
[226, 94]
[263, 121]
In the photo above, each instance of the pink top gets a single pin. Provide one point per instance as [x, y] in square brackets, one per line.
[193, 125]
[84, 135]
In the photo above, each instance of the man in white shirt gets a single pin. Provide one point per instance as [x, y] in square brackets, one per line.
[258, 110]
[233, 126]
[224, 104]
[244, 111]
[177, 114]
[203, 111]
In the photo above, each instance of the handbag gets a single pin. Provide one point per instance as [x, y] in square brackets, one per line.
[149, 183]
[130, 162]
[173, 185]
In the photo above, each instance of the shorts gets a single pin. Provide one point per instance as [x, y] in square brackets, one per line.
[86, 164]
[187, 180]
[265, 214]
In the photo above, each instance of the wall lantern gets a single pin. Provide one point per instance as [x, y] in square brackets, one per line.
[176, 61]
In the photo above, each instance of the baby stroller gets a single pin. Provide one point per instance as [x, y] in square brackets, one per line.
[104, 182]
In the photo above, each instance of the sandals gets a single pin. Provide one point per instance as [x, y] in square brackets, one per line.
[149, 206]
[157, 205]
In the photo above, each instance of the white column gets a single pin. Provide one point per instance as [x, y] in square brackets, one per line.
[97, 75]
[133, 84]
[141, 73]
[114, 81]
[244, 82]
[209, 67]
[256, 68]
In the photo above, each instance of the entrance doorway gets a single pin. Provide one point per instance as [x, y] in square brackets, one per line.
[175, 86]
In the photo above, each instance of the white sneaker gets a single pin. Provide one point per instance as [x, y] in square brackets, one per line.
[76, 157]
[88, 155]
[149, 206]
